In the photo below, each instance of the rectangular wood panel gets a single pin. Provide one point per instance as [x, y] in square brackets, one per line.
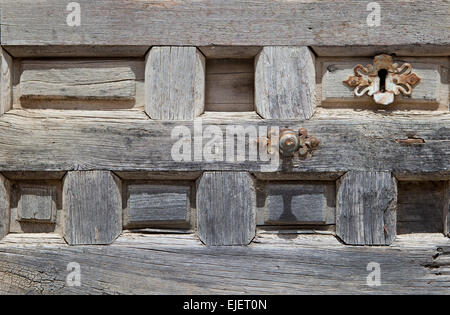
[77, 80]
[5, 191]
[229, 85]
[226, 208]
[35, 205]
[285, 83]
[366, 208]
[421, 207]
[430, 92]
[150, 204]
[218, 22]
[297, 202]
[127, 141]
[6, 81]
[93, 207]
[36, 202]
[174, 83]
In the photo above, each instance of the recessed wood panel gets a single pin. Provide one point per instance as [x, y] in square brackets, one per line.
[297, 202]
[229, 85]
[35, 204]
[80, 83]
[430, 93]
[421, 207]
[151, 204]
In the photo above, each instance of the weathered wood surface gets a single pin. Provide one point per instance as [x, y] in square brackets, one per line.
[36, 206]
[366, 208]
[226, 208]
[230, 85]
[179, 264]
[85, 51]
[421, 207]
[129, 141]
[175, 83]
[92, 202]
[152, 203]
[5, 190]
[296, 202]
[430, 92]
[35, 202]
[447, 212]
[373, 50]
[235, 52]
[5, 81]
[77, 79]
[218, 22]
[285, 83]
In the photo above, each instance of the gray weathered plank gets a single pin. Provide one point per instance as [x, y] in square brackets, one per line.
[85, 51]
[235, 52]
[373, 50]
[297, 202]
[230, 85]
[421, 207]
[92, 202]
[174, 83]
[127, 141]
[366, 208]
[226, 208]
[447, 211]
[180, 264]
[428, 92]
[285, 83]
[6, 71]
[77, 79]
[36, 205]
[150, 203]
[5, 192]
[218, 22]
[35, 202]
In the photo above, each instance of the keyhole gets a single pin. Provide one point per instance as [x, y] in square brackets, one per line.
[382, 75]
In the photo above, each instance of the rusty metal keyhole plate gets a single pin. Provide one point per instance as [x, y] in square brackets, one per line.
[383, 80]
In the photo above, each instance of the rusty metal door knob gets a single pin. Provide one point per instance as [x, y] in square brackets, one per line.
[292, 142]
[383, 80]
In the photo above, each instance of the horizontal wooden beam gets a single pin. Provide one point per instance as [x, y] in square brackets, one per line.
[129, 141]
[217, 22]
[180, 264]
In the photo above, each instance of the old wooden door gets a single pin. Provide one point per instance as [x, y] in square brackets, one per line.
[224, 146]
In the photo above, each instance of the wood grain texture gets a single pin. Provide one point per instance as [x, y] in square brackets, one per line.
[36, 202]
[373, 50]
[72, 79]
[235, 52]
[85, 51]
[180, 264]
[428, 92]
[36, 205]
[296, 202]
[366, 208]
[218, 22]
[285, 83]
[129, 141]
[174, 83]
[92, 202]
[149, 204]
[226, 208]
[6, 83]
[447, 211]
[421, 207]
[5, 193]
[230, 85]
